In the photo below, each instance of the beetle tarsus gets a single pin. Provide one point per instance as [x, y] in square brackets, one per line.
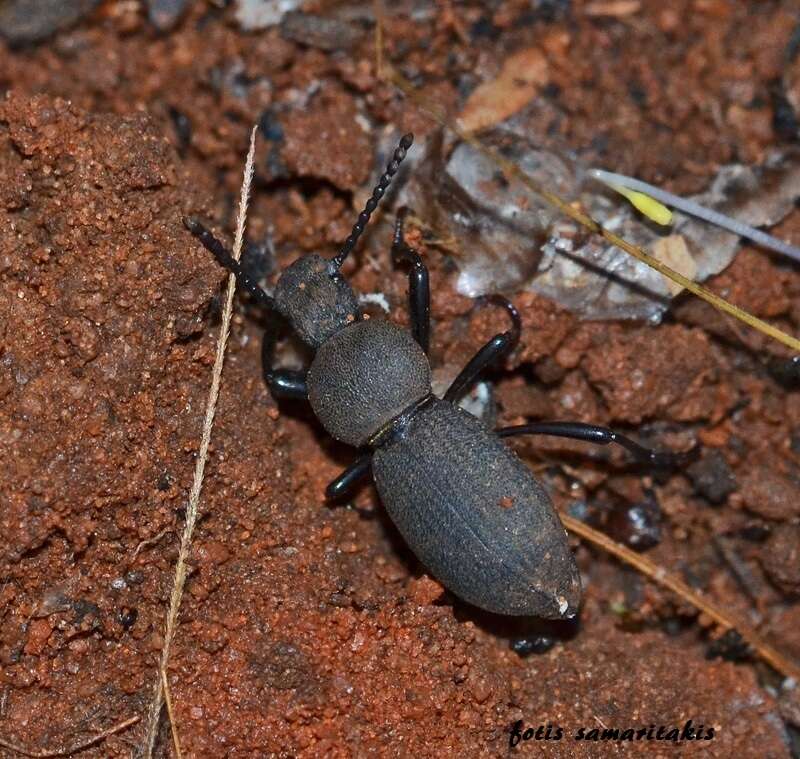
[287, 383]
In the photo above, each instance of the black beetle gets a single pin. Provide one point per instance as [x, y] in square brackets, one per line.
[464, 502]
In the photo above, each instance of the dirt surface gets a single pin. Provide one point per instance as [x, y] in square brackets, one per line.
[309, 629]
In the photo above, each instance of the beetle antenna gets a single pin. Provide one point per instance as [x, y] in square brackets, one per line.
[223, 256]
[372, 203]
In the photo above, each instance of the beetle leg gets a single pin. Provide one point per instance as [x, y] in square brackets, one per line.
[496, 347]
[592, 433]
[283, 383]
[349, 478]
[419, 291]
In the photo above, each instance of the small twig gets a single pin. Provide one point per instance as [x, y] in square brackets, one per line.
[173, 725]
[154, 711]
[150, 541]
[75, 748]
[378, 8]
[741, 572]
[661, 577]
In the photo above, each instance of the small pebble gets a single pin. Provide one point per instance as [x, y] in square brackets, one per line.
[770, 494]
[535, 644]
[785, 371]
[260, 14]
[134, 577]
[269, 125]
[319, 31]
[127, 617]
[729, 647]
[637, 525]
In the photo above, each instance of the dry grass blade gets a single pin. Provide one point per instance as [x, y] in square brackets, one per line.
[661, 577]
[172, 724]
[512, 171]
[75, 748]
[194, 497]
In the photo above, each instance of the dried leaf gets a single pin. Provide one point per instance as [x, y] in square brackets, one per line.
[523, 74]
[673, 252]
[614, 8]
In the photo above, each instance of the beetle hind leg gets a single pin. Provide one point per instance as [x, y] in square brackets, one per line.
[592, 433]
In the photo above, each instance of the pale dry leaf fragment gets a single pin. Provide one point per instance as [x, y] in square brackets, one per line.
[261, 14]
[613, 8]
[673, 251]
[512, 171]
[522, 76]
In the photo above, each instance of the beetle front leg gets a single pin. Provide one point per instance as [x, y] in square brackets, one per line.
[282, 383]
[499, 345]
[419, 291]
[349, 478]
[285, 383]
[592, 433]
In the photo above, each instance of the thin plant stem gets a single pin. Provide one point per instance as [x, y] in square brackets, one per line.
[661, 577]
[192, 509]
[171, 714]
[75, 747]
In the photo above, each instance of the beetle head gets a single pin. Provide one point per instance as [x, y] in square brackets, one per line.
[315, 299]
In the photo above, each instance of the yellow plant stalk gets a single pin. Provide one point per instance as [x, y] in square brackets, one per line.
[648, 205]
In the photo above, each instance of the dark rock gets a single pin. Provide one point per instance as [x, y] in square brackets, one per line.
[183, 129]
[26, 21]
[712, 477]
[318, 31]
[730, 647]
[637, 525]
[165, 14]
[535, 644]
